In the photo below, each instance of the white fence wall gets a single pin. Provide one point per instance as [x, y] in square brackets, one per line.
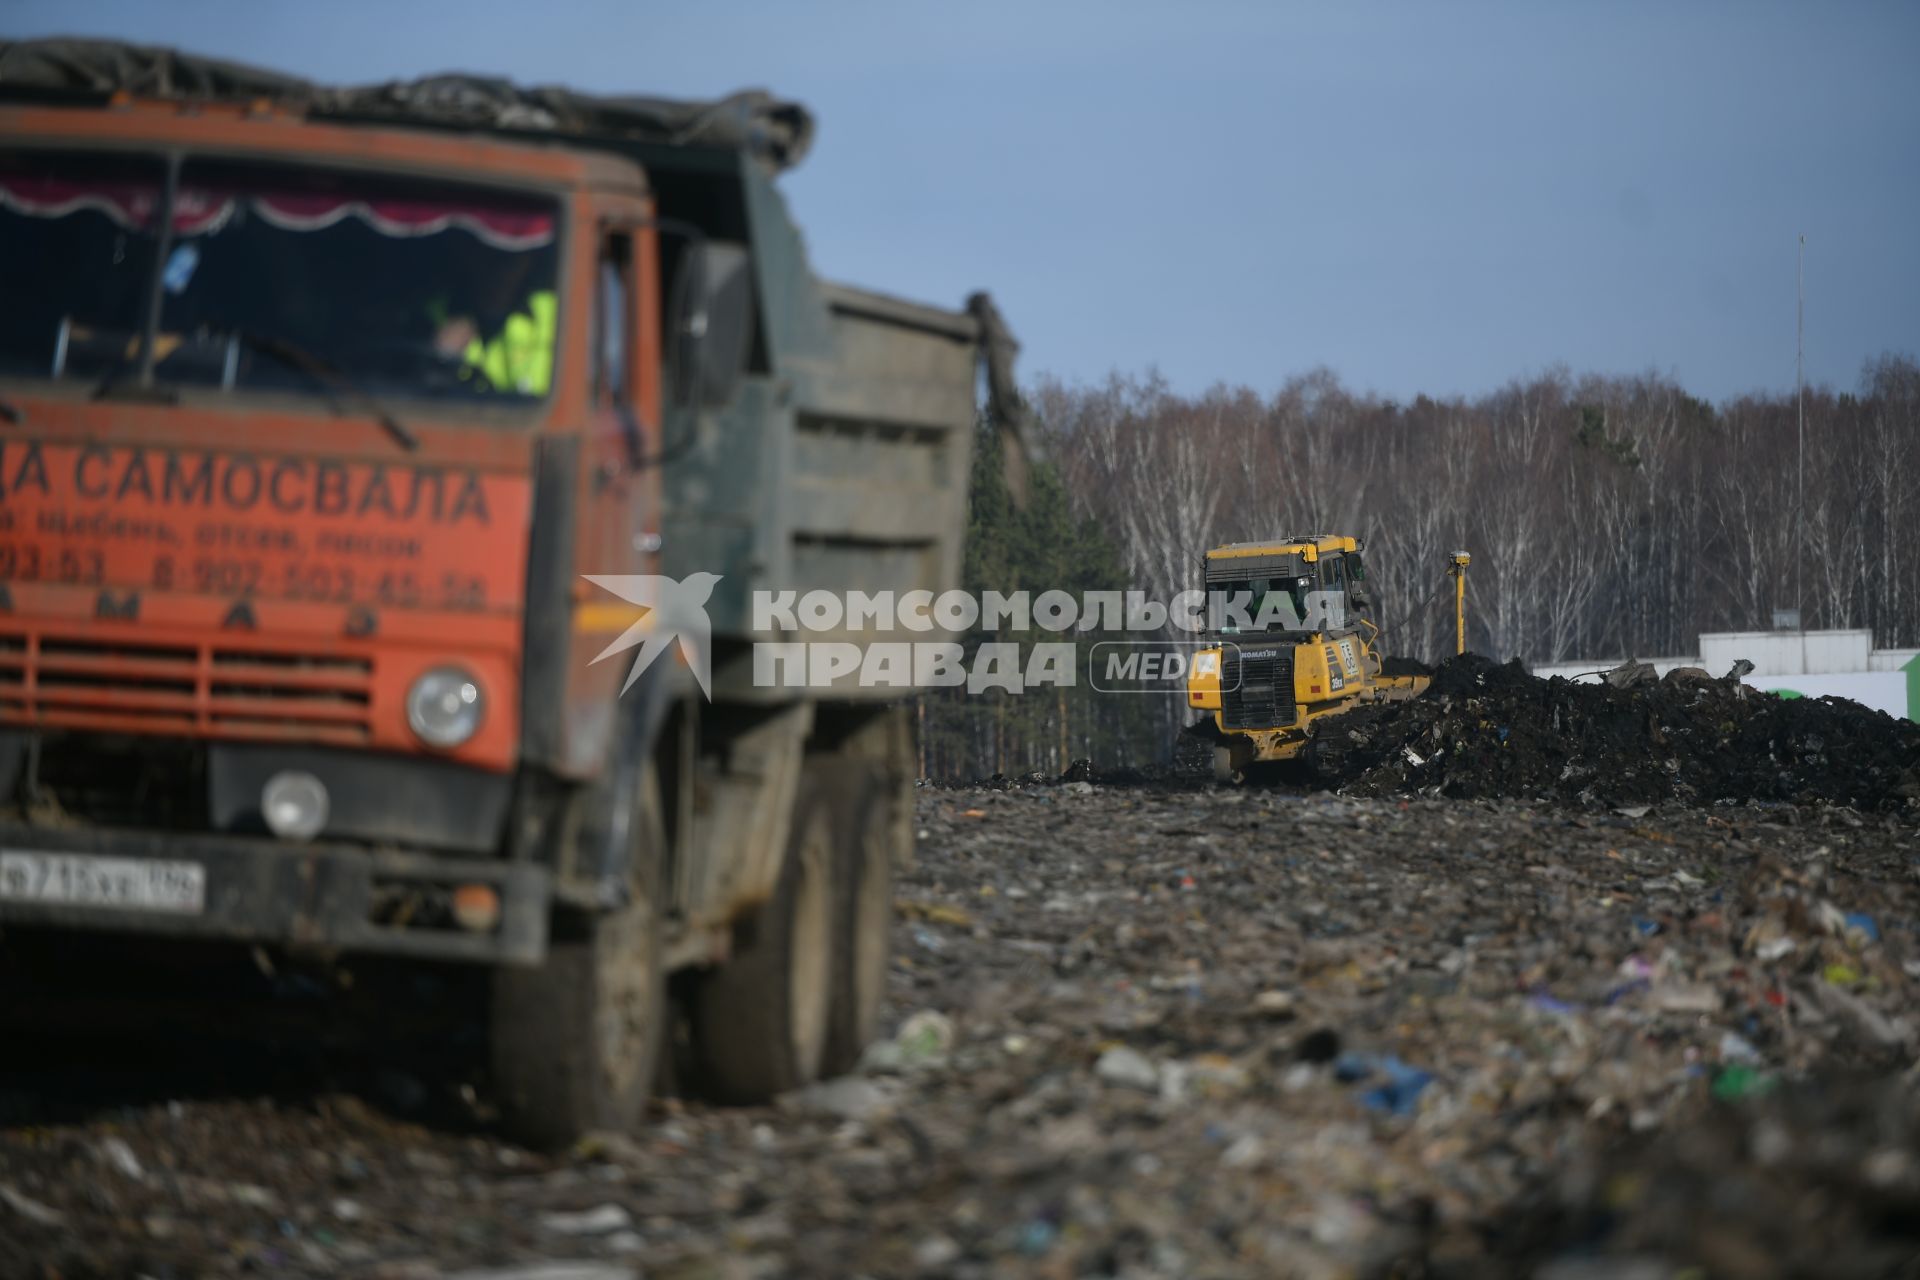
[1882, 690]
[1787, 653]
[1817, 664]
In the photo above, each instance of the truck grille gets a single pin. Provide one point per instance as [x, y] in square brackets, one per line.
[1256, 688]
[122, 781]
[216, 690]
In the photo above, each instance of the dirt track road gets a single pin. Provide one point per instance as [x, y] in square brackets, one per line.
[1140, 1033]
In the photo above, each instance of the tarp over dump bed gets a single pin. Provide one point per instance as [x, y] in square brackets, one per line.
[775, 131]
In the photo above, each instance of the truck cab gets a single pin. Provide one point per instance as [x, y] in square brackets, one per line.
[264, 511]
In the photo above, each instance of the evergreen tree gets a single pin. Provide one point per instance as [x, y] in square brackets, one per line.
[1040, 547]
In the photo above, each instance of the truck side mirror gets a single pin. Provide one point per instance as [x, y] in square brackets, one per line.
[713, 322]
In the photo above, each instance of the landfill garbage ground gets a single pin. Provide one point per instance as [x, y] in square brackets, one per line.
[1132, 1031]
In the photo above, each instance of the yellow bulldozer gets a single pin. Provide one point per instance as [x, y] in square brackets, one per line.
[1294, 643]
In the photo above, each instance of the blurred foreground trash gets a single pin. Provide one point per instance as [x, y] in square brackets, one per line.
[1394, 1088]
[925, 1036]
[32, 1210]
[847, 1098]
[584, 1270]
[1123, 1066]
[589, 1222]
[1382, 1036]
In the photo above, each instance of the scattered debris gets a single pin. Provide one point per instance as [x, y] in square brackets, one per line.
[1123, 1066]
[586, 1270]
[1393, 1035]
[849, 1098]
[597, 1221]
[32, 1210]
[115, 1151]
[925, 1037]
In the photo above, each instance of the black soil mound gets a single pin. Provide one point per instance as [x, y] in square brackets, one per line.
[1484, 730]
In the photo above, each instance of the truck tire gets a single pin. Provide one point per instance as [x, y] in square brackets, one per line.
[576, 1042]
[863, 928]
[759, 1021]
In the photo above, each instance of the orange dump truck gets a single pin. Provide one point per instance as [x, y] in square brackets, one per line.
[319, 409]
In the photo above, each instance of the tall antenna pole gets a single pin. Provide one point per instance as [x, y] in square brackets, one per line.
[1800, 410]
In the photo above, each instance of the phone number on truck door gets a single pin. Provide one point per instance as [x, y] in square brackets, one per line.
[320, 582]
[84, 566]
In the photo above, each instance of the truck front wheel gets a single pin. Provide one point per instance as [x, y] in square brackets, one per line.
[576, 1041]
[760, 1020]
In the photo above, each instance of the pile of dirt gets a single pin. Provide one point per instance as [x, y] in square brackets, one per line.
[1485, 730]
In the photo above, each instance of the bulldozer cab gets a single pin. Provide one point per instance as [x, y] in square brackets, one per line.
[1299, 586]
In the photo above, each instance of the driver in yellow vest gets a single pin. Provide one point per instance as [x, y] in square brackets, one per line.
[517, 359]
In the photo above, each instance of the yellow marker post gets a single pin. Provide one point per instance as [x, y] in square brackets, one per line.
[1457, 566]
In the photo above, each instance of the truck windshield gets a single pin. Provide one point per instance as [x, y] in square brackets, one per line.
[406, 288]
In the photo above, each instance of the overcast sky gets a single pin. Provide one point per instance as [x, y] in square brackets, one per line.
[1420, 196]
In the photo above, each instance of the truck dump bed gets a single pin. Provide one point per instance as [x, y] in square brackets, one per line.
[872, 493]
[841, 468]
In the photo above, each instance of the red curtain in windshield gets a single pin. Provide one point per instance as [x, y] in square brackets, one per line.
[133, 205]
[198, 210]
[511, 229]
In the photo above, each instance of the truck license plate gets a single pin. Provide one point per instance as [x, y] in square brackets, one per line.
[83, 880]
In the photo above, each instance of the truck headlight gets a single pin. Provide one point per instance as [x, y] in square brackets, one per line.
[444, 707]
